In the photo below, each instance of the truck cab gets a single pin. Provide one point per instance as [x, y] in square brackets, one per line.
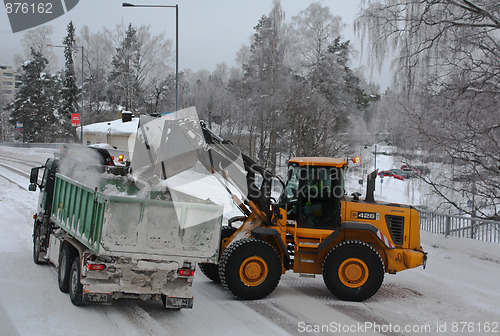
[46, 185]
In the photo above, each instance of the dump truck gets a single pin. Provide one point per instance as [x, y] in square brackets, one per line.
[122, 244]
[313, 228]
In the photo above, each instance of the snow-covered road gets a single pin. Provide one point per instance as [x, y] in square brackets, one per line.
[460, 284]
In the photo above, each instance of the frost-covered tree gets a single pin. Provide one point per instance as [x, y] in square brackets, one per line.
[297, 93]
[447, 66]
[314, 29]
[5, 127]
[39, 39]
[96, 68]
[37, 103]
[433, 40]
[140, 66]
[124, 87]
[262, 83]
[70, 94]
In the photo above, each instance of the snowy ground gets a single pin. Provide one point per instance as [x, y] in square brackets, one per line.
[460, 284]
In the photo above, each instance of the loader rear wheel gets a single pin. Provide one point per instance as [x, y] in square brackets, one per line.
[353, 271]
[75, 286]
[250, 269]
[210, 270]
[64, 268]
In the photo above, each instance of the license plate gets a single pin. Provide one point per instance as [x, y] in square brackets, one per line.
[173, 302]
[97, 298]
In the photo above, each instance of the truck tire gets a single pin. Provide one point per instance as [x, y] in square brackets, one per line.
[250, 269]
[353, 271]
[210, 270]
[75, 286]
[37, 245]
[64, 268]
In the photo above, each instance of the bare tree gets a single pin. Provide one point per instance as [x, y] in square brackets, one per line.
[431, 39]
[97, 54]
[39, 39]
[140, 63]
[314, 30]
[448, 67]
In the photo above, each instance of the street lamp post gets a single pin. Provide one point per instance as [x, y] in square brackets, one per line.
[126, 4]
[81, 102]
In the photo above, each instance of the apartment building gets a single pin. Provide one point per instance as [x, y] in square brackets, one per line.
[10, 80]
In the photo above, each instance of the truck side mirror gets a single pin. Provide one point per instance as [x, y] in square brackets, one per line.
[34, 178]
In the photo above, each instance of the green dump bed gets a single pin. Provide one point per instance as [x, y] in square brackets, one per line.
[135, 227]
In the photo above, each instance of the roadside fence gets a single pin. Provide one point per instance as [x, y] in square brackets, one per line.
[460, 226]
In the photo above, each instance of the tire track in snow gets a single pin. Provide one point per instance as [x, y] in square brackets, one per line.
[14, 175]
[27, 163]
[141, 319]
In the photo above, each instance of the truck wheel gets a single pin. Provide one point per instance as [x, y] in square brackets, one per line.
[250, 269]
[210, 270]
[64, 269]
[353, 271]
[37, 245]
[75, 286]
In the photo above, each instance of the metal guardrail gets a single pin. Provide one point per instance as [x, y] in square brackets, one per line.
[460, 226]
[57, 146]
[32, 145]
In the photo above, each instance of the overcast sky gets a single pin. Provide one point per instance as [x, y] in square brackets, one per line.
[210, 31]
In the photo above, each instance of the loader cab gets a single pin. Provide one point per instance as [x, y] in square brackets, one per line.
[314, 190]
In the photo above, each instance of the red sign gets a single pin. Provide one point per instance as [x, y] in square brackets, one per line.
[75, 119]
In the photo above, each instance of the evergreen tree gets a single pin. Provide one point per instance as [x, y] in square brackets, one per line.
[124, 86]
[36, 103]
[69, 91]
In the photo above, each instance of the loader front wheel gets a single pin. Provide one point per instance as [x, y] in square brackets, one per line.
[75, 286]
[353, 271]
[250, 269]
[210, 270]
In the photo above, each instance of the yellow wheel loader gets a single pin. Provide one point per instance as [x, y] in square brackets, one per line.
[312, 228]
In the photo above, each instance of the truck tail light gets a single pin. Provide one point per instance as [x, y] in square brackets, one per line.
[96, 267]
[186, 272]
[120, 158]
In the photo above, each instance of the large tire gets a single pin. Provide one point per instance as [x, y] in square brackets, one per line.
[250, 269]
[353, 271]
[64, 270]
[37, 245]
[210, 270]
[75, 286]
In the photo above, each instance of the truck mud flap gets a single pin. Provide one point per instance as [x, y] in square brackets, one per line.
[178, 303]
[99, 298]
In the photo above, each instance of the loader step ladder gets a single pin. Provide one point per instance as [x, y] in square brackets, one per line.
[307, 256]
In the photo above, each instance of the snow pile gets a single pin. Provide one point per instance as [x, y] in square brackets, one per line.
[115, 127]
